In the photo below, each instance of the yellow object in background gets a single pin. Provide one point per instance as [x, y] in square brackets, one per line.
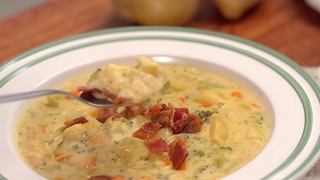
[234, 9]
[157, 12]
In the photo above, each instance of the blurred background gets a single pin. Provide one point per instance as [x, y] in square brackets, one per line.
[290, 27]
[11, 7]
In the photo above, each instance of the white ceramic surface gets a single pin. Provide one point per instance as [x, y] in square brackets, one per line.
[290, 93]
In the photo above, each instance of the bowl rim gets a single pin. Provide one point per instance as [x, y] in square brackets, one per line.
[303, 97]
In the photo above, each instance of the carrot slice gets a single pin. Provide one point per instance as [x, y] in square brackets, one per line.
[182, 99]
[255, 105]
[207, 105]
[237, 94]
[95, 112]
[90, 162]
[42, 129]
[183, 166]
[118, 177]
[166, 162]
[97, 139]
[61, 158]
[73, 92]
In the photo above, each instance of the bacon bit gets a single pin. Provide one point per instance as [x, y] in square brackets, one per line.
[236, 94]
[178, 119]
[90, 162]
[87, 93]
[88, 89]
[194, 124]
[178, 153]
[189, 123]
[178, 112]
[164, 118]
[61, 158]
[133, 110]
[155, 109]
[107, 93]
[79, 120]
[87, 96]
[162, 114]
[147, 130]
[101, 177]
[105, 113]
[179, 124]
[157, 145]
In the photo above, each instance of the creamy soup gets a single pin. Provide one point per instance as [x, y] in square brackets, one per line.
[199, 125]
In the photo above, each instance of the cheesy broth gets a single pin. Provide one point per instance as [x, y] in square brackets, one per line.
[235, 129]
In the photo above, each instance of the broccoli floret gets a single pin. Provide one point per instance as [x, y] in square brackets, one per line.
[206, 114]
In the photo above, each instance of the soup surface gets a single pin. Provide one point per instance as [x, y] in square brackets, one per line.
[199, 125]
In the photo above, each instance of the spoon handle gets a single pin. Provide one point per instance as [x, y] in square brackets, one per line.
[32, 94]
[27, 95]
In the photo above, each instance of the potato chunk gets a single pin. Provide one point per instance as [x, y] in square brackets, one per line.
[218, 129]
[130, 152]
[135, 83]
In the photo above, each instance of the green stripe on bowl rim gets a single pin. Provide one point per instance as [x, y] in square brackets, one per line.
[2, 177]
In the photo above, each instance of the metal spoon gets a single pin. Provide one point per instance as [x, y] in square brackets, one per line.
[31, 94]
